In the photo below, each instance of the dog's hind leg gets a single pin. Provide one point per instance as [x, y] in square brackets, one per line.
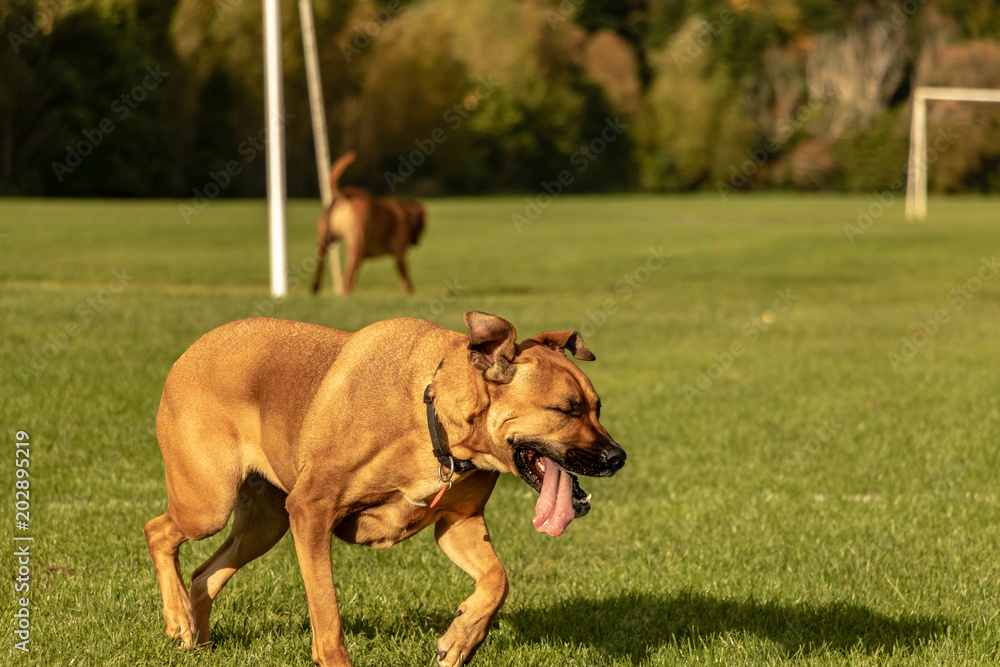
[351, 221]
[322, 246]
[164, 539]
[354, 256]
[165, 534]
[202, 483]
[260, 521]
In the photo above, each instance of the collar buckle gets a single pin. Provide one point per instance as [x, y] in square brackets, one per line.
[445, 460]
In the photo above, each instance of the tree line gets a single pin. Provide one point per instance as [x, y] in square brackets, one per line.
[164, 98]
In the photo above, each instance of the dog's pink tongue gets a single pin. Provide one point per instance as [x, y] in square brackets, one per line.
[554, 509]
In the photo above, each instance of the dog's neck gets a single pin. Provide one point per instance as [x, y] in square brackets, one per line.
[447, 461]
[461, 403]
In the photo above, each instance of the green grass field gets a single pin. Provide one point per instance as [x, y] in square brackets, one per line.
[794, 493]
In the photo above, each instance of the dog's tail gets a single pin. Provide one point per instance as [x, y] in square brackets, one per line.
[338, 169]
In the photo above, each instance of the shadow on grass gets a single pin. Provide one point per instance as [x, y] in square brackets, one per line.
[243, 632]
[636, 625]
[246, 633]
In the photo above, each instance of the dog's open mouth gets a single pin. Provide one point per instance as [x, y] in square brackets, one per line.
[560, 498]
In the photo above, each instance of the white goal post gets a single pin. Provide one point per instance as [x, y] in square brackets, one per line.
[274, 112]
[916, 173]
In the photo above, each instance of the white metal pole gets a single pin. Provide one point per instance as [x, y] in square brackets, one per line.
[320, 139]
[274, 111]
[315, 99]
[917, 121]
[920, 196]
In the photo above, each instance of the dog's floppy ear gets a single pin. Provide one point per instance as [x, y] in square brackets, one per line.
[491, 345]
[564, 340]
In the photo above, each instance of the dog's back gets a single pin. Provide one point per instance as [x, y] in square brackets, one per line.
[256, 376]
[391, 225]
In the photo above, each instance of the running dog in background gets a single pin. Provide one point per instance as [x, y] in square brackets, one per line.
[368, 226]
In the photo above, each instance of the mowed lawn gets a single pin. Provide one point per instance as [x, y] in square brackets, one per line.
[812, 424]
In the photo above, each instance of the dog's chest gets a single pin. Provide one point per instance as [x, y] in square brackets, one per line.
[385, 524]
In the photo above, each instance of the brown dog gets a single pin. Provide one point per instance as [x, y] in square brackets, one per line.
[369, 226]
[372, 437]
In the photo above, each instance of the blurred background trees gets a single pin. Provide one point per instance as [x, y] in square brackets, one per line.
[496, 97]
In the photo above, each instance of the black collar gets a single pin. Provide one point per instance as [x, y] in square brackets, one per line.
[445, 459]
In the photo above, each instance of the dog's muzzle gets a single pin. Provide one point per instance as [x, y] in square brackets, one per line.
[561, 499]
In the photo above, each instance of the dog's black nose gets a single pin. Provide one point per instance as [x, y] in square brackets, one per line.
[614, 457]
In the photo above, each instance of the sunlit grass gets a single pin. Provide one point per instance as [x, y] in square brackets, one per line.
[809, 500]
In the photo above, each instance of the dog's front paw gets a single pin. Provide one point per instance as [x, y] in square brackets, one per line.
[179, 628]
[451, 655]
[457, 646]
[443, 660]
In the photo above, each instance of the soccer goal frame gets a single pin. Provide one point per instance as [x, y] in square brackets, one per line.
[916, 173]
[274, 113]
